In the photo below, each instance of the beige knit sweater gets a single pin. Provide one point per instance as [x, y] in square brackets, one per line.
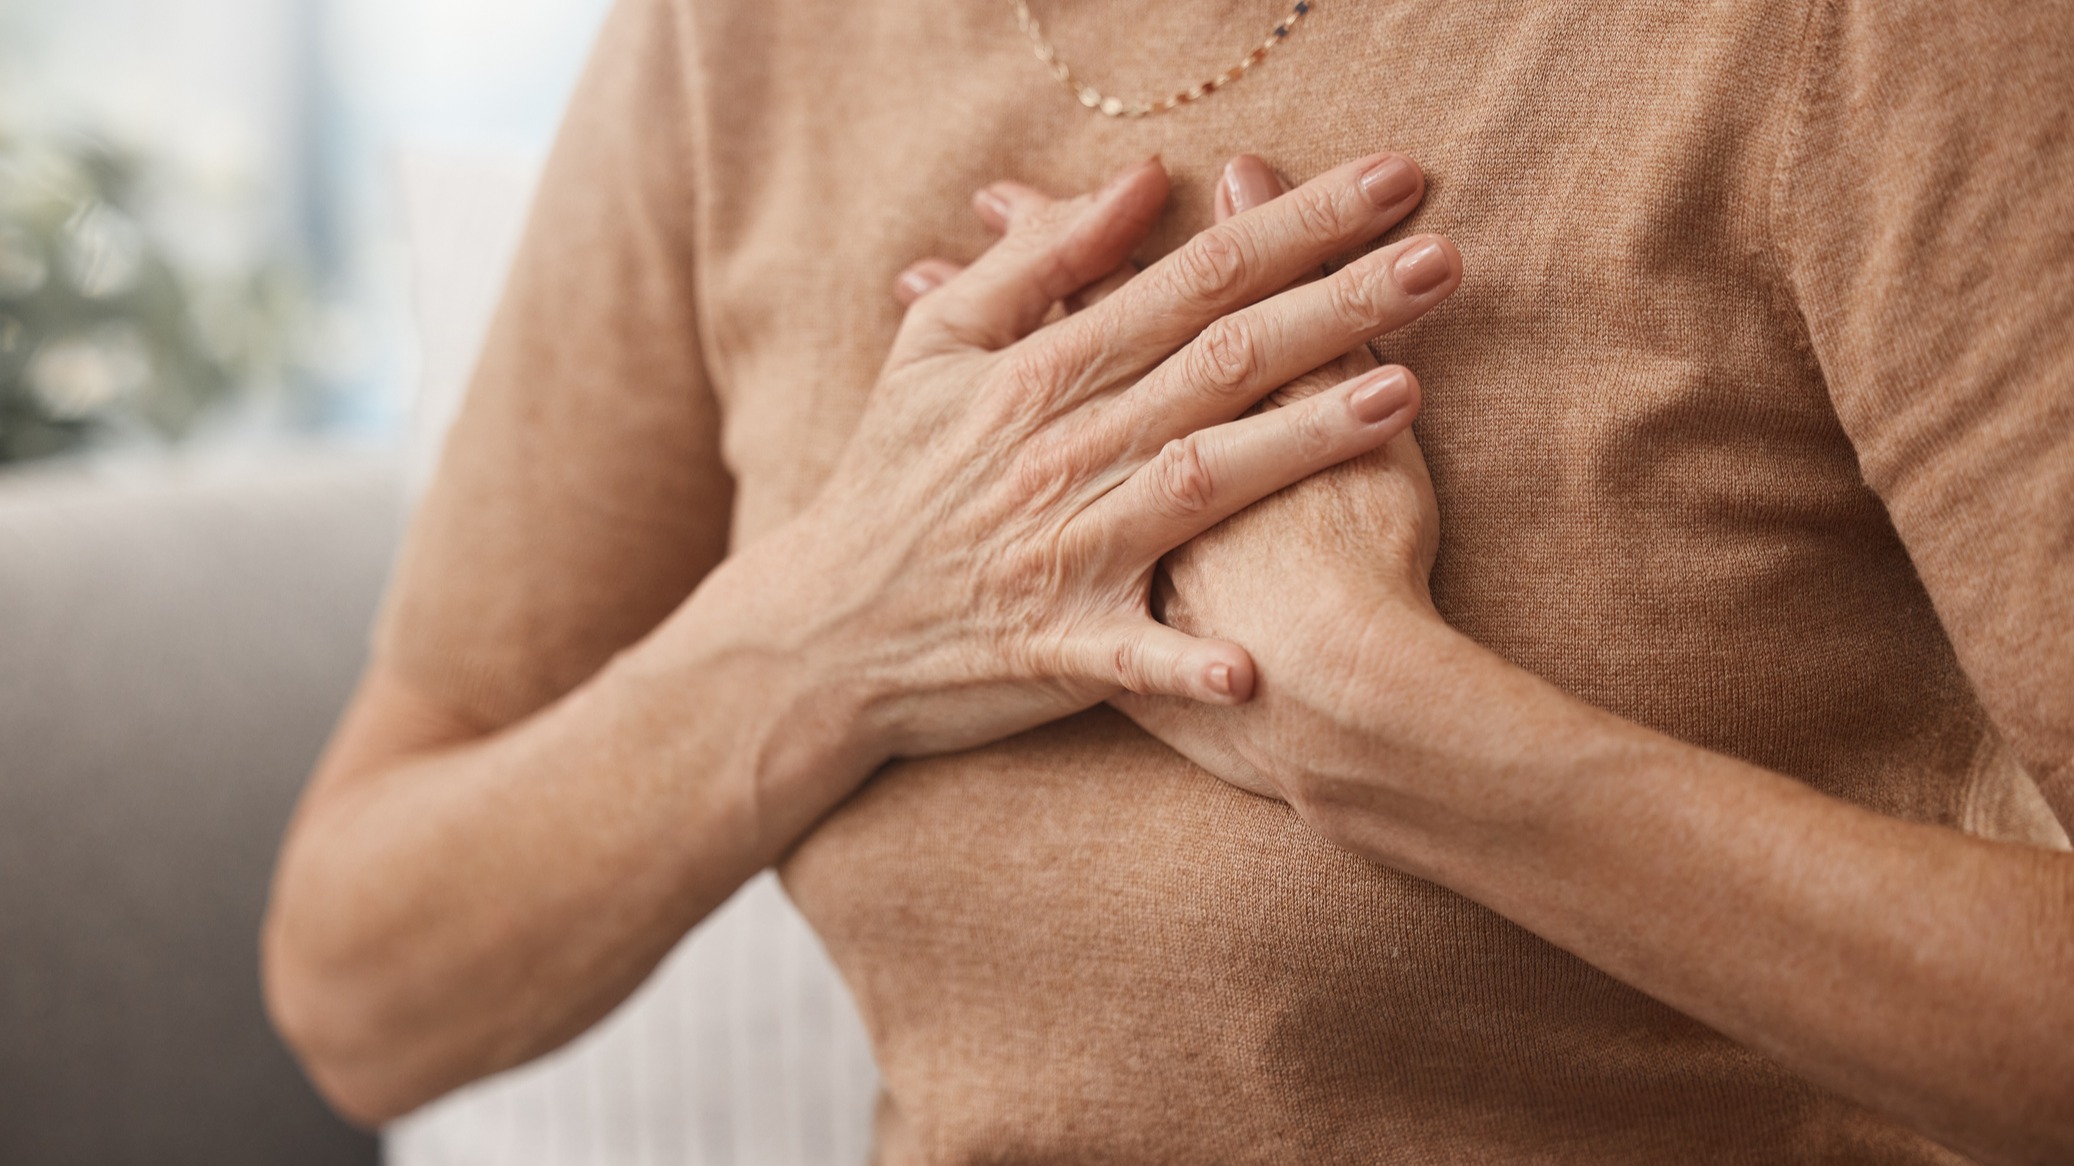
[1753, 422]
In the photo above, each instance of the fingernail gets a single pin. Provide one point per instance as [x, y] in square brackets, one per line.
[1219, 679]
[1389, 182]
[916, 283]
[1385, 393]
[992, 203]
[1422, 268]
[1250, 182]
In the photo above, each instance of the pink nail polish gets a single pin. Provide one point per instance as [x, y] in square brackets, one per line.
[1389, 182]
[1250, 182]
[1422, 268]
[1386, 392]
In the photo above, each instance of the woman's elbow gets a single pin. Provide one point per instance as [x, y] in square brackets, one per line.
[335, 1037]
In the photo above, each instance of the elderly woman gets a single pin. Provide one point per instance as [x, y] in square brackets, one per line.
[1693, 800]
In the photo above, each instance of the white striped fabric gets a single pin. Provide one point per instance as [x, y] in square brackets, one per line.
[742, 1050]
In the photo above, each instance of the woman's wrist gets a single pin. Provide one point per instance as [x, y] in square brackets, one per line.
[752, 654]
[1426, 759]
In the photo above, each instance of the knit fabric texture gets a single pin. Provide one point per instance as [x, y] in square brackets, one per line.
[1753, 421]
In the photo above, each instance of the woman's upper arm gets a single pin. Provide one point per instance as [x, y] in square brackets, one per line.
[1926, 212]
[580, 496]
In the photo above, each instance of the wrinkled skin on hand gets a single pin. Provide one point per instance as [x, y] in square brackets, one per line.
[1309, 579]
[981, 560]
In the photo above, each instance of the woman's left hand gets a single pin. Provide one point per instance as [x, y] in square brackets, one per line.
[1319, 582]
[1315, 579]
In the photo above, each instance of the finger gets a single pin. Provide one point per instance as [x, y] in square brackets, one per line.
[1198, 480]
[1102, 288]
[1003, 203]
[1250, 256]
[922, 277]
[1248, 182]
[1357, 361]
[1000, 204]
[1241, 358]
[1045, 257]
[1155, 660]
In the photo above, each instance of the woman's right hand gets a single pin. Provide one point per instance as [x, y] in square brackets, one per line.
[981, 558]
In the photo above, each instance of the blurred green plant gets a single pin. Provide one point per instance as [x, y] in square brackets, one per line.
[101, 334]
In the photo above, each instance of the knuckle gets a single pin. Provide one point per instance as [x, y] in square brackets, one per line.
[1211, 268]
[1226, 355]
[1024, 587]
[1182, 481]
[1123, 664]
[1318, 213]
[1045, 468]
[1350, 298]
[1314, 433]
[1128, 666]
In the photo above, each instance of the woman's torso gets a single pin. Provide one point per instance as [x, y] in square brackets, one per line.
[1073, 946]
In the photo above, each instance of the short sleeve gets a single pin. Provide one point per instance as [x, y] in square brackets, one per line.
[580, 495]
[1925, 212]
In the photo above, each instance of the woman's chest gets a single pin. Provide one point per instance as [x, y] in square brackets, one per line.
[1609, 209]
[1645, 494]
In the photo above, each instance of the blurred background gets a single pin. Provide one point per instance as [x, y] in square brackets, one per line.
[248, 249]
[204, 222]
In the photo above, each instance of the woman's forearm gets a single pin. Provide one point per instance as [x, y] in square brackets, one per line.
[1917, 970]
[441, 917]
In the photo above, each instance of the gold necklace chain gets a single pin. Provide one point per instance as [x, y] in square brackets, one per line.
[1094, 99]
